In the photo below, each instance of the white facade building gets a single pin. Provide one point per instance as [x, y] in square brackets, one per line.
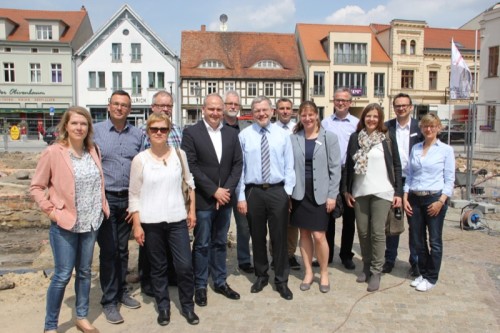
[125, 55]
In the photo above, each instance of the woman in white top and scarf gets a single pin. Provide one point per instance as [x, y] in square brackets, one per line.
[372, 184]
[159, 216]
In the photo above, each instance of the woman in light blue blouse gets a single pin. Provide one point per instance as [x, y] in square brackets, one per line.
[429, 184]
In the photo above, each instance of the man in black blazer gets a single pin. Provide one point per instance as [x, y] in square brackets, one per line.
[214, 155]
[407, 133]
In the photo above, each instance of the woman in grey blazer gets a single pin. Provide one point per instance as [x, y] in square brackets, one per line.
[317, 172]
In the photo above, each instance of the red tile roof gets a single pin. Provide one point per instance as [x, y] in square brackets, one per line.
[239, 51]
[311, 36]
[437, 38]
[21, 18]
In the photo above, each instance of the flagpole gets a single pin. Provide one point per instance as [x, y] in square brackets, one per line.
[449, 99]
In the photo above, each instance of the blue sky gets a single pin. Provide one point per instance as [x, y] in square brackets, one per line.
[168, 18]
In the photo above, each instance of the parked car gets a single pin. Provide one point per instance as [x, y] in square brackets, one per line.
[50, 135]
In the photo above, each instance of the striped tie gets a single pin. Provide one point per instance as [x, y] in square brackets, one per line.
[265, 158]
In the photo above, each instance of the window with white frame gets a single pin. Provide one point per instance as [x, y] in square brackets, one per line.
[403, 47]
[252, 89]
[56, 73]
[136, 52]
[8, 72]
[269, 89]
[229, 86]
[156, 80]
[319, 84]
[407, 79]
[194, 88]
[350, 53]
[116, 52]
[413, 46]
[212, 64]
[136, 83]
[97, 80]
[287, 89]
[211, 87]
[379, 85]
[356, 81]
[267, 64]
[43, 32]
[35, 73]
[117, 80]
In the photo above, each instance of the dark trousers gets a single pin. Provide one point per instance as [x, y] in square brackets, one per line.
[429, 249]
[269, 209]
[113, 239]
[157, 236]
[348, 229]
[145, 269]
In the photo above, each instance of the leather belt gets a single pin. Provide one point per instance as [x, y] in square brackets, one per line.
[119, 194]
[265, 186]
[424, 193]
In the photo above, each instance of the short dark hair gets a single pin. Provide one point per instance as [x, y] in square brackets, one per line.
[284, 100]
[121, 93]
[401, 95]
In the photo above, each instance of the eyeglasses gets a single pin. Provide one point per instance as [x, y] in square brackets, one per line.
[401, 106]
[342, 100]
[123, 105]
[163, 106]
[236, 105]
[431, 127]
[162, 130]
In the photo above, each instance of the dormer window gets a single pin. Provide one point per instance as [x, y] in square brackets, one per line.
[267, 64]
[212, 64]
[44, 32]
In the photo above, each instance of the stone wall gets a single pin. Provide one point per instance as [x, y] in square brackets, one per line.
[20, 211]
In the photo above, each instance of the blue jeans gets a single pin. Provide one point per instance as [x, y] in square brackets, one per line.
[210, 246]
[391, 248]
[242, 237]
[113, 239]
[158, 236]
[70, 250]
[429, 255]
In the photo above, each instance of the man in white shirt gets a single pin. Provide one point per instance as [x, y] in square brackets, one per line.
[343, 124]
[284, 112]
[214, 155]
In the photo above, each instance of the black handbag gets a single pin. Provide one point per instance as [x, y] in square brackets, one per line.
[339, 207]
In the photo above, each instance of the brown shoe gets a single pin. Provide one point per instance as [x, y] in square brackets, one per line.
[374, 282]
[84, 328]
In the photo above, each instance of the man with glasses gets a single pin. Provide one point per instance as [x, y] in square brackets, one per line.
[118, 143]
[231, 109]
[343, 124]
[214, 156]
[407, 134]
[163, 102]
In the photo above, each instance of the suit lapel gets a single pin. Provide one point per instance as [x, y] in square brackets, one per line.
[205, 137]
[65, 156]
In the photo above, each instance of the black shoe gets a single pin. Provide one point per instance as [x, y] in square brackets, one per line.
[315, 263]
[227, 291]
[259, 285]
[414, 271]
[247, 268]
[163, 317]
[147, 290]
[348, 264]
[294, 264]
[200, 296]
[191, 317]
[388, 266]
[284, 291]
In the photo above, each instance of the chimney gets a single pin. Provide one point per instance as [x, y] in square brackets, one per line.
[203, 28]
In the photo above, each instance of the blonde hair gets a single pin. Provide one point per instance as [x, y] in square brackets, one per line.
[155, 117]
[430, 119]
[88, 142]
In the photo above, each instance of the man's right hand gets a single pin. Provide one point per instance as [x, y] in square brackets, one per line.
[242, 207]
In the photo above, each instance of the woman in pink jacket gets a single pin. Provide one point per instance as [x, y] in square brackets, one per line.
[68, 185]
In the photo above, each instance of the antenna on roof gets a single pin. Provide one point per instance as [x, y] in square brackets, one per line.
[223, 20]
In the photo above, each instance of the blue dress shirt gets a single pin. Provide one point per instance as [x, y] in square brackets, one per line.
[343, 128]
[117, 150]
[433, 172]
[280, 149]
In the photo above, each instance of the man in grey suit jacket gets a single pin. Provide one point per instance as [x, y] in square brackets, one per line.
[214, 155]
[407, 133]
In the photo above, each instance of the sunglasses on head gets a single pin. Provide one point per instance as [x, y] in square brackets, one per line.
[163, 130]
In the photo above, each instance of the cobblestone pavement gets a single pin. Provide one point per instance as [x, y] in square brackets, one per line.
[466, 298]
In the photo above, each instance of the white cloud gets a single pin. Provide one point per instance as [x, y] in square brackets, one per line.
[260, 16]
[358, 16]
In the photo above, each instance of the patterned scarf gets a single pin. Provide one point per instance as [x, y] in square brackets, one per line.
[366, 142]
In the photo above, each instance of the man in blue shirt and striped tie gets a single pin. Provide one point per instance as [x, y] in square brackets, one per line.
[264, 193]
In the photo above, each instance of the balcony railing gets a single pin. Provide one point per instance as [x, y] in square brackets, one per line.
[340, 59]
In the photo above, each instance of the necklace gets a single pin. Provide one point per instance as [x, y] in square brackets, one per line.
[161, 156]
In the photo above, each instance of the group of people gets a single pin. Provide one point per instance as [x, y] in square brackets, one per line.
[105, 181]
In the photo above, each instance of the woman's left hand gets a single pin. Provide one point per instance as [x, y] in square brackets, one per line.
[396, 202]
[434, 208]
[330, 205]
[191, 219]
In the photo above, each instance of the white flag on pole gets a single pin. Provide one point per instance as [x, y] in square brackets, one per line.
[461, 77]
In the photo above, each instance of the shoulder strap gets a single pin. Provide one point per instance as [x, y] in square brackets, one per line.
[182, 163]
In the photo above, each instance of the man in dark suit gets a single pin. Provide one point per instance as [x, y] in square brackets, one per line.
[407, 133]
[215, 160]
